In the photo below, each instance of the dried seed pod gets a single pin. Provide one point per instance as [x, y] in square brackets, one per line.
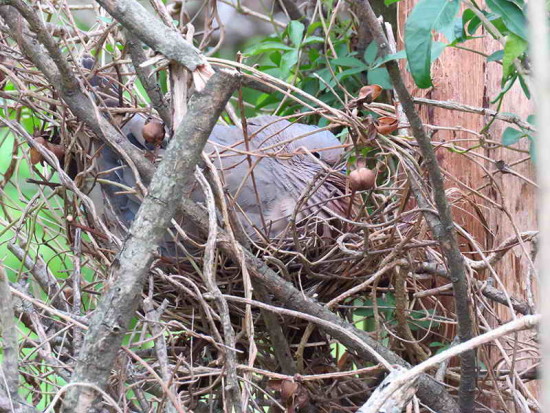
[57, 150]
[369, 93]
[386, 125]
[153, 132]
[362, 179]
[36, 156]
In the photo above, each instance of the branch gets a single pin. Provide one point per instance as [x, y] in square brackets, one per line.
[117, 307]
[46, 56]
[506, 117]
[488, 291]
[443, 227]
[155, 34]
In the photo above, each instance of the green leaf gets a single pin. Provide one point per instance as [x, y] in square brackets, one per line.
[511, 136]
[266, 47]
[524, 87]
[313, 39]
[496, 56]
[511, 15]
[349, 72]
[515, 46]
[531, 119]
[390, 2]
[395, 56]
[296, 32]
[437, 49]
[288, 60]
[348, 62]
[380, 77]
[427, 16]
[370, 52]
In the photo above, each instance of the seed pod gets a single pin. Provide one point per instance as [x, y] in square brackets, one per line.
[36, 156]
[386, 125]
[362, 179]
[57, 150]
[153, 132]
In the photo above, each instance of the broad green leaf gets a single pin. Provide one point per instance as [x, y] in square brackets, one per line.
[288, 60]
[511, 136]
[370, 52]
[313, 39]
[473, 23]
[313, 26]
[349, 72]
[266, 47]
[512, 16]
[427, 16]
[390, 2]
[496, 56]
[296, 32]
[515, 46]
[437, 49]
[348, 62]
[388, 58]
[531, 119]
[380, 77]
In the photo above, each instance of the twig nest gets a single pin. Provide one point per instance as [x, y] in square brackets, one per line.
[362, 179]
[153, 132]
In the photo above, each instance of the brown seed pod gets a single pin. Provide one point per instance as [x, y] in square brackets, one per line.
[153, 132]
[386, 125]
[36, 156]
[362, 179]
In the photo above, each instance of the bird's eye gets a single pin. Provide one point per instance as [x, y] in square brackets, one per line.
[317, 155]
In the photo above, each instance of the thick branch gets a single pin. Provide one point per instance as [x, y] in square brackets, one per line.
[117, 307]
[155, 34]
[442, 228]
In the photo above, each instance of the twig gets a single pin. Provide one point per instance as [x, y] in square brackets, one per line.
[159, 37]
[9, 374]
[506, 117]
[146, 76]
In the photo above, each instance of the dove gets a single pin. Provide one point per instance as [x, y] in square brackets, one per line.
[274, 176]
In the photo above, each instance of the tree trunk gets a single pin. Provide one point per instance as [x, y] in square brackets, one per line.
[490, 205]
